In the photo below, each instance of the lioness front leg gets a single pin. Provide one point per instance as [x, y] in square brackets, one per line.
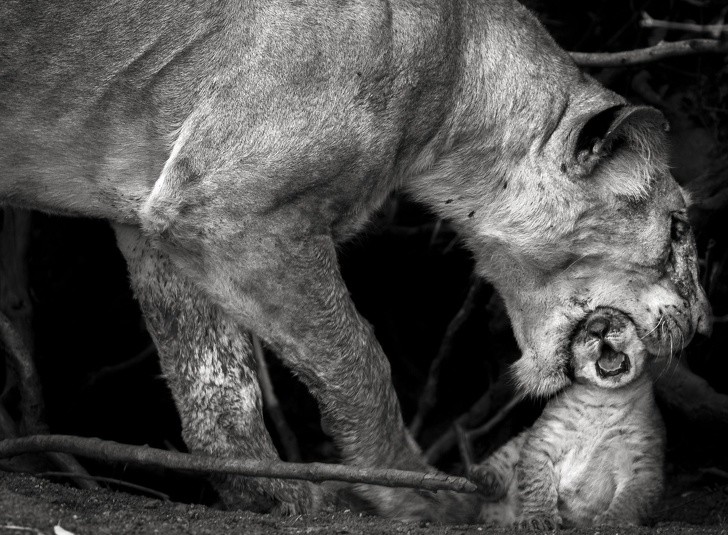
[209, 367]
[288, 290]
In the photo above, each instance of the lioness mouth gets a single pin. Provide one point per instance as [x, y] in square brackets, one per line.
[612, 363]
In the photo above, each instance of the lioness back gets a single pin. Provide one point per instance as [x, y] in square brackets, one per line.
[306, 101]
[602, 444]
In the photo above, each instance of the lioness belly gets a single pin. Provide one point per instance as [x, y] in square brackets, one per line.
[47, 169]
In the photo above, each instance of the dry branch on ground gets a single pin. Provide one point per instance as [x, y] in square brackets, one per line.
[104, 450]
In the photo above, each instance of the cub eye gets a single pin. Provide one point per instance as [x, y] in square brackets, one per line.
[680, 226]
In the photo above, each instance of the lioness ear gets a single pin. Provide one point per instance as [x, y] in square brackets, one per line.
[596, 134]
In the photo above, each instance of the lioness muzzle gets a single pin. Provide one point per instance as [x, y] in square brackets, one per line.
[232, 145]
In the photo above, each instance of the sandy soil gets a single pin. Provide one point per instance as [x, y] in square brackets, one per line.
[34, 505]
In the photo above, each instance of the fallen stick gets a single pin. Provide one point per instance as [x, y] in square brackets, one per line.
[105, 450]
[650, 54]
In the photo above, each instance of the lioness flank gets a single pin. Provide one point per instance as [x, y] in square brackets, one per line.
[233, 144]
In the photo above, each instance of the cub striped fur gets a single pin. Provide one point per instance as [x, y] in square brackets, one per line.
[595, 456]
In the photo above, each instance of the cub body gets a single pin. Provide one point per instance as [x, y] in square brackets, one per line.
[595, 456]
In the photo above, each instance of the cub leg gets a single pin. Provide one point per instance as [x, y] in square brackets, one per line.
[496, 479]
[636, 498]
[495, 474]
[538, 494]
[210, 369]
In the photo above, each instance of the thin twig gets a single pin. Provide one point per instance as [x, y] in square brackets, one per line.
[465, 447]
[32, 406]
[110, 480]
[17, 337]
[31, 399]
[105, 450]
[13, 527]
[650, 54]
[498, 418]
[711, 29]
[714, 471]
[443, 444]
[273, 406]
[106, 371]
[428, 398]
[8, 429]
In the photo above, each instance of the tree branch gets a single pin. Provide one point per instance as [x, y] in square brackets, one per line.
[17, 337]
[650, 54]
[501, 415]
[104, 450]
[711, 29]
[273, 406]
[103, 373]
[428, 398]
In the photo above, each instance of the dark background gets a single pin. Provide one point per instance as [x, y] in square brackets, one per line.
[408, 279]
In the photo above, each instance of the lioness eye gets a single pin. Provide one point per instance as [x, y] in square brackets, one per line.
[680, 226]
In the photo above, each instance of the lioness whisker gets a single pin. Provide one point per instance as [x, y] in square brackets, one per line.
[582, 257]
[657, 325]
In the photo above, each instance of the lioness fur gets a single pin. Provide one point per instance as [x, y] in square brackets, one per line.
[234, 144]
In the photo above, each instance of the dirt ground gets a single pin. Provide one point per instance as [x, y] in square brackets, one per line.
[34, 505]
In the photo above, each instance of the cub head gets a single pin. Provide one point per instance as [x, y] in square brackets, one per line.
[607, 351]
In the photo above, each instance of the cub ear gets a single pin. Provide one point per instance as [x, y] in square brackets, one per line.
[594, 135]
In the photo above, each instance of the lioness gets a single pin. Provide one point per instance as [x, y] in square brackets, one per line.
[595, 455]
[233, 144]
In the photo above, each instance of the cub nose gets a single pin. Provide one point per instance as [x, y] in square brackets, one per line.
[598, 326]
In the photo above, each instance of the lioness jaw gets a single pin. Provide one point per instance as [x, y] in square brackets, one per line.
[238, 143]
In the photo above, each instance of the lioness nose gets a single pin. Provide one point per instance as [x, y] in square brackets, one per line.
[597, 326]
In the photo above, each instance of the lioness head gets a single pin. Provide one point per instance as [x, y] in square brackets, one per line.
[596, 220]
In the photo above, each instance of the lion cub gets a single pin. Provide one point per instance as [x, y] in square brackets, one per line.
[595, 456]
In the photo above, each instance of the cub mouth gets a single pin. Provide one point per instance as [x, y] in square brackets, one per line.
[612, 363]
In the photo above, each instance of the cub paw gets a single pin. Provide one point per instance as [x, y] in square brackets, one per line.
[610, 519]
[539, 523]
[490, 484]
